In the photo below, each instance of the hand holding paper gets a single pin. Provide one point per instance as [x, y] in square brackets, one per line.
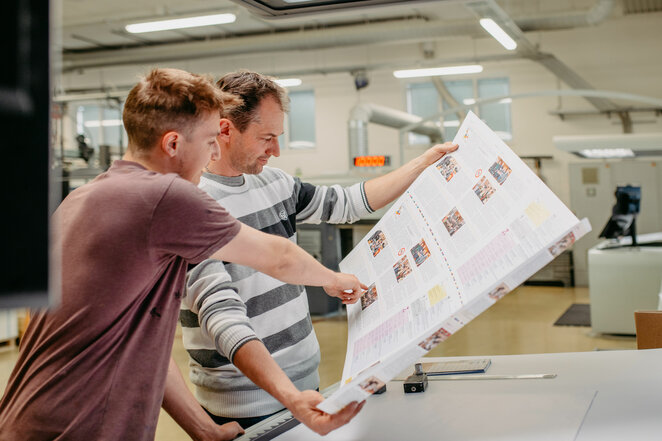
[305, 411]
[348, 288]
[471, 228]
[437, 151]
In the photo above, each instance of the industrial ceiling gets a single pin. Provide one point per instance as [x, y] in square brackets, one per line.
[98, 26]
[93, 32]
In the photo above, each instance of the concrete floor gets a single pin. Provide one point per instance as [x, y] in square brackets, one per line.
[521, 323]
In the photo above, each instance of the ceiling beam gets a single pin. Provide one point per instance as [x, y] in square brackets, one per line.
[404, 30]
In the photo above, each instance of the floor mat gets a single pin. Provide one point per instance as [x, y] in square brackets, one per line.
[578, 314]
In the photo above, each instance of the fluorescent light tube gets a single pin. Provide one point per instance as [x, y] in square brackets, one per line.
[607, 153]
[104, 123]
[289, 82]
[499, 34]
[180, 23]
[452, 123]
[436, 71]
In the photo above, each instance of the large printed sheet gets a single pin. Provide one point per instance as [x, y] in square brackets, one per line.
[470, 229]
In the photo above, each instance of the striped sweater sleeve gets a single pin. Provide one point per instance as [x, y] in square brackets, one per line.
[220, 312]
[333, 204]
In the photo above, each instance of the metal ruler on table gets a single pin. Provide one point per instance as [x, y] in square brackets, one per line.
[270, 428]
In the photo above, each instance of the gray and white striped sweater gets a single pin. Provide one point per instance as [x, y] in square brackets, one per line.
[227, 305]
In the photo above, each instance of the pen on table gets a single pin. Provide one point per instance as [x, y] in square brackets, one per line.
[487, 377]
[491, 377]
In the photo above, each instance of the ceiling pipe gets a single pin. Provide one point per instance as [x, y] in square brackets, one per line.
[403, 31]
[445, 95]
[490, 9]
[122, 90]
[363, 114]
[655, 102]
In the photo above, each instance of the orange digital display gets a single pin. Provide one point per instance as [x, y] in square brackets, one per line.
[372, 161]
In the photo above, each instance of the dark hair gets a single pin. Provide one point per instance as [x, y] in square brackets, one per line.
[170, 99]
[251, 88]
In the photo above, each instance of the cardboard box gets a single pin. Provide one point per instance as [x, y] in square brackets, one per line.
[649, 329]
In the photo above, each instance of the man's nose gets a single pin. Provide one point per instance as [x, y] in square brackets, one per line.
[274, 150]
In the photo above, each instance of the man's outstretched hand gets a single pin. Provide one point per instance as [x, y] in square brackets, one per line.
[346, 287]
[305, 410]
[437, 151]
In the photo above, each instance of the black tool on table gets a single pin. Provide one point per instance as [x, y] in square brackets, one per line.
[417, 382]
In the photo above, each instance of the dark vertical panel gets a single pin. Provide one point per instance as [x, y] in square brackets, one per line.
[24, 118]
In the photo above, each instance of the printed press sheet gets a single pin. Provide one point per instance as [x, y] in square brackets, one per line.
[470, 229]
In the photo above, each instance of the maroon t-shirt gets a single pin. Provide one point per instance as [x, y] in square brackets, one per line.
[94, 368]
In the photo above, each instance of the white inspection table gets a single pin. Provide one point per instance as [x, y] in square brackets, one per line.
[595, 396]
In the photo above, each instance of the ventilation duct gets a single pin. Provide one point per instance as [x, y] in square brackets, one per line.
[594, 16]
[363, 114]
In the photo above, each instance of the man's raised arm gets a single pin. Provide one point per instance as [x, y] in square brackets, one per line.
[384, 189]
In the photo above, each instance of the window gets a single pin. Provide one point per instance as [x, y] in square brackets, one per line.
[101, 125]
[424, 101]
[462, 91]
[496, 115]
[301, 120]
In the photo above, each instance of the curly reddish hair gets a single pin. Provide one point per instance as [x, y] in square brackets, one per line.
[170, 100]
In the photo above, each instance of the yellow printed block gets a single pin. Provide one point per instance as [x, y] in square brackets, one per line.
[436, 294]
[538, 213]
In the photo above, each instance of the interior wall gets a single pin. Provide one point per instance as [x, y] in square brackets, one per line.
[621, 54]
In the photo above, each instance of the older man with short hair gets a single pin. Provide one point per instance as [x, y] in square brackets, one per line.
[250, 338]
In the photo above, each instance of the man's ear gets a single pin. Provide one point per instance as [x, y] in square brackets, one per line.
[226, 128]
[170, 143]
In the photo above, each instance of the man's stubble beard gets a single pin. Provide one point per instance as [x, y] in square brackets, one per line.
[240, 163]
